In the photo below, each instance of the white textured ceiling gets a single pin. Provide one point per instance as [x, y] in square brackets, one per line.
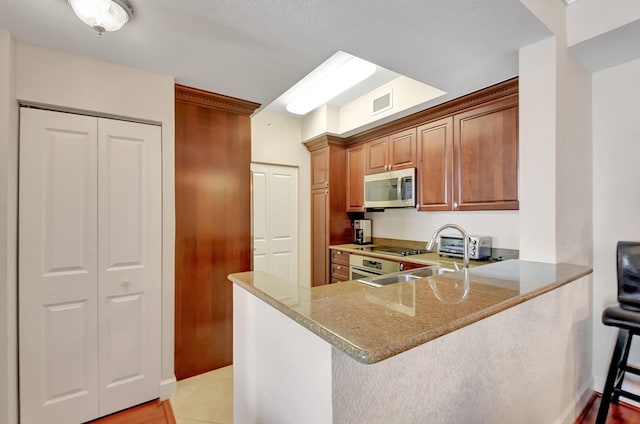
[257, 49]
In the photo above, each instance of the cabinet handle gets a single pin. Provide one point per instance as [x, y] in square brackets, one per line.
[455, 205]
[326, 183]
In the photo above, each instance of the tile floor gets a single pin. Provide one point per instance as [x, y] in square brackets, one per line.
[205, 399]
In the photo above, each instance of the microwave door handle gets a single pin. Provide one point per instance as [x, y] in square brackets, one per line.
[400, 189]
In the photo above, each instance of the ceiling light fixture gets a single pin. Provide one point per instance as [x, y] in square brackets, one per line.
[103, 15]
[327, 86]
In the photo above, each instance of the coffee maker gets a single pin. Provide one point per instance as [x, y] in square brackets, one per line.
[361, 231]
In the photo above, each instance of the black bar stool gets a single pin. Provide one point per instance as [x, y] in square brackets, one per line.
[626, 317]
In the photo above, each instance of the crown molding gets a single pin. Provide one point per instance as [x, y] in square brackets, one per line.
[323, 141]
[215, 101]
[486, 95]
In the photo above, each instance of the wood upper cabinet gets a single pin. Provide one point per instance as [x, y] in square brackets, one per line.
[396, 151]
[320, 168]
[485, 156]
[470, 161]
[355, 178]
[377, 155]
[402, 149]
[435, 165]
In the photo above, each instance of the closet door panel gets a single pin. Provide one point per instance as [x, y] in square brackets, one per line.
[58, 270]
[129, 279]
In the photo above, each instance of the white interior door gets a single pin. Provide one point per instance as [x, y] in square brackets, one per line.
[275, 224]
[57, 268]
[129, 264]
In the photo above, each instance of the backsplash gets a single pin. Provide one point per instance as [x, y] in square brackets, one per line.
[496, 252]
[408, 224]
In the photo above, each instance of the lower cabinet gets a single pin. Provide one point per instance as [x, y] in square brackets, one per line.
[90, 237]
[339, 266]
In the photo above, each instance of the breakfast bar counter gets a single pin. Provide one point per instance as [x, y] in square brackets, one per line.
[474, 335]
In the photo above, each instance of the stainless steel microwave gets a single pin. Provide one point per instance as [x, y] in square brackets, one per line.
[394, 189]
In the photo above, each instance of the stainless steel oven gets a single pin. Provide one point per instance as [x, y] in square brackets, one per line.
[367, 266]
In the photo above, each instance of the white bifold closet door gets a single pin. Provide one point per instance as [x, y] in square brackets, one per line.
[89, 266]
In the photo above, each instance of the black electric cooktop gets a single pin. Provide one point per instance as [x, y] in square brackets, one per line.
[391, 250]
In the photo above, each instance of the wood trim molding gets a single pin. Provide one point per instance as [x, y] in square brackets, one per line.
[323, 141]
[497, 91]
[213, 100]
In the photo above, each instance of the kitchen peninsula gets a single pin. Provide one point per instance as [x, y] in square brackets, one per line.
[440, 349]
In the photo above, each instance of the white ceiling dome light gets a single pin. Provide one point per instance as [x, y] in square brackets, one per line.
[103, 15]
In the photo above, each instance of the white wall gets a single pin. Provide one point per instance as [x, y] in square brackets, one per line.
[574, 209]
[281, 370]
[406, 93]
[616, 192]
[8, 230]
[590, 18]
[275, 139]
[321, 120]
[537, 161]
[555, 119]
[409, 224]
[68, 82]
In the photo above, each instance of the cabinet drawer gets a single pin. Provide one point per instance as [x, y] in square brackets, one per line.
[339, 257]
[341, 272]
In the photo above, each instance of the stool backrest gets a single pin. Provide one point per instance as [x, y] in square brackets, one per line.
[629, 274]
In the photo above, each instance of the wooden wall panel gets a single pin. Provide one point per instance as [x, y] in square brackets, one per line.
[213, 225]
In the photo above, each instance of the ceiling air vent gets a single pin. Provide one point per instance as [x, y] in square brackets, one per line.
[382, 103]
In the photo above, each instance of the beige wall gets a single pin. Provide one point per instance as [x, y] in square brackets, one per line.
[8, 230]
[406, 93]
[616, 193]
[590, 18]
[275, 139]
[67, 82]
[555, 129]
[537, 163]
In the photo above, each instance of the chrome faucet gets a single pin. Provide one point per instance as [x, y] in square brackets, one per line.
[465, 237]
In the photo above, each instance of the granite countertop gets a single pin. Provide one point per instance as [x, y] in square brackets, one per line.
[375, 323]
[430, 258]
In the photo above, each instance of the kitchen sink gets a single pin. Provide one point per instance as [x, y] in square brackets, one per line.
[400, 277]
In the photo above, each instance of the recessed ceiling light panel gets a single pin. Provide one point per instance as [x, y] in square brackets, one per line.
[330, 83]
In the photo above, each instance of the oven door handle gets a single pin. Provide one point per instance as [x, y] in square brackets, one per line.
[400, 189]
[362, 271]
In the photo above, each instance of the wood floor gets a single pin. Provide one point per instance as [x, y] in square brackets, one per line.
[618, 414]
[154, 412]
[160, 412]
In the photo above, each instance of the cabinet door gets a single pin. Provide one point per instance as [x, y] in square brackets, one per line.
[402, 149]
[320, 237]
[129, 263]
[355, 178]
[435, 165]
[486, 156]
[320, 168]
[58, 311]
[377, 156]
